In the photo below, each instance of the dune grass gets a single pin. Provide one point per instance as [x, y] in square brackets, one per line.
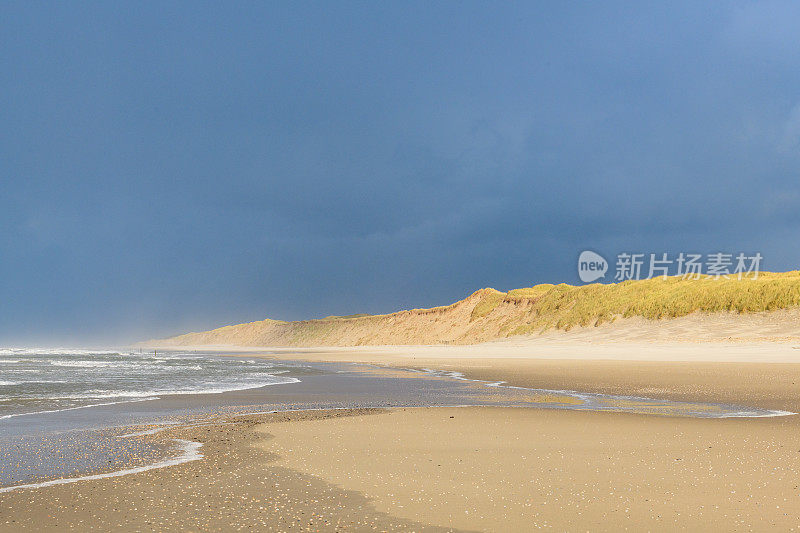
[489, 301]
[565, 306]
[531, 292]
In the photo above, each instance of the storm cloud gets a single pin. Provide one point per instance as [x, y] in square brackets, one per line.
[177, 167]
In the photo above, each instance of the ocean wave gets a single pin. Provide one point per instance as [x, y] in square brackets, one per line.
[88, 364]
[57, 351]
[43, 381]
[123, 364]
[100, 376]
[127, 396]
[207, 388]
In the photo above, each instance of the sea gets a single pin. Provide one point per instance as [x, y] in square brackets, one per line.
[50, 380]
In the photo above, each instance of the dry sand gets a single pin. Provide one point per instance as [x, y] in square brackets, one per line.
[770, 337]
[500, 469]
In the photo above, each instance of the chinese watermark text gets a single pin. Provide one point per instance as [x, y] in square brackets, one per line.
[635, 266]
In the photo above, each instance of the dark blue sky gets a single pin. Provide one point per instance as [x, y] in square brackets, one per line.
[168, 167]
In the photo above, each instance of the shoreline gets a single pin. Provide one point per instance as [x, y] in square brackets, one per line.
[484, 373]
[258, 470]
[533, 376]
[710, 372]
[191, 452]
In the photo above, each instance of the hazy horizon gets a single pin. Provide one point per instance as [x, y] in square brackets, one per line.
[174, 168]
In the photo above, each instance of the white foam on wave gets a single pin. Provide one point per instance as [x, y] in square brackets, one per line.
[121, 393]
[14, 415]
[35, 381]
[157, 364]
[88, 364]
[141, 396]
[752, 414]
[10, 383]
[56, 351]
[144, 432]
[190, 451]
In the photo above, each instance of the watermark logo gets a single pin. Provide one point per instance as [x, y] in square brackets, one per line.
[591, 266]
[636, 266]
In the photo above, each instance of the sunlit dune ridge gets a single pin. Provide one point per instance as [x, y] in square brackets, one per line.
[489, 314]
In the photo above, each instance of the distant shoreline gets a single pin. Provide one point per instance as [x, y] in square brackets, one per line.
[556, 347]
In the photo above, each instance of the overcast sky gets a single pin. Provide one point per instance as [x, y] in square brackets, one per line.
[168, 167]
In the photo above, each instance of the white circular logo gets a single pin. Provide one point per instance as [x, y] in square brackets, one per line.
[591, 266]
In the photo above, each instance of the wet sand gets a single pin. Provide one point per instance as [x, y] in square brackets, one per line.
[761, 375]
[236, 486]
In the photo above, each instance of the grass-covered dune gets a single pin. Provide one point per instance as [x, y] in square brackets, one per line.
[489, 314]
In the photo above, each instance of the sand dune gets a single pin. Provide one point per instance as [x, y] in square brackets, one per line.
[673, 309]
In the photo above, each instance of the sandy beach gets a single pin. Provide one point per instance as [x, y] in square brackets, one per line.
[473, 468]
[399, 266]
